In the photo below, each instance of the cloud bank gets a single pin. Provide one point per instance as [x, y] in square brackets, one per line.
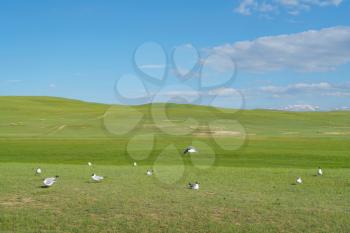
[309, 51]
[301, 108]
[319, 89]
[292, 7]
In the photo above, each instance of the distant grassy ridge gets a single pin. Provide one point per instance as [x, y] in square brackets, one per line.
[43, 116]
[49, 129]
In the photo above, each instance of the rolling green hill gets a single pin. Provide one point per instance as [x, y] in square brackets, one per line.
[58, 117]
[48, 129]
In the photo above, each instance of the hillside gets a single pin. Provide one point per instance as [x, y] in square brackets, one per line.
[61, 130]
[58, 117]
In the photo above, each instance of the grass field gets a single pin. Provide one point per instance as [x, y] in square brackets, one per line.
[247, 186]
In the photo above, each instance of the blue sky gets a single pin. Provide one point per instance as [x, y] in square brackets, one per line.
[289, 54]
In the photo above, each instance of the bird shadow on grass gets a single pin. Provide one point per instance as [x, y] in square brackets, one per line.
[43, 186]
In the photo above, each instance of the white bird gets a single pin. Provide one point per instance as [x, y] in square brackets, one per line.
[96, 177]
[194, 186]
[135, 164]
[299, 180]
[50, 181]
[319, 172]
[149, 172]
[190, 149]
[38, 171]
[90, 164]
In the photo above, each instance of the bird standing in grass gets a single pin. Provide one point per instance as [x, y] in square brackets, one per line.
[299, 180]
[135, 164]
[48, 182]
[319, 172]
[149, 172]
[38, 171]
[190, 150]
[194, 186]
[96, 177]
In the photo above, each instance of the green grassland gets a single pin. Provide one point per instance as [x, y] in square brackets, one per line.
[247, 186]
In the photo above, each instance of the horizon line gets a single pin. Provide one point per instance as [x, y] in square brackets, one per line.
[226, 108]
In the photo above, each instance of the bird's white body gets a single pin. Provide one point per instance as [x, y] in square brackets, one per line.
[90, 164]
[96, 177]
[299, 180]
[49, 181]
[149, 172]
[38, 171]
[135, 164]
[195, 186]
[319, 172]
[190, 150]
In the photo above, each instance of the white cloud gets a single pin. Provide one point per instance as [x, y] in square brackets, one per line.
[266, 7]
[301, 107]
[176, 93]
[293, 7]
[223, 92]
[309, 3]
[246, 7]
[342, 108]
[309, 51]
[316, 89]
[338, 94]
[298, 87]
